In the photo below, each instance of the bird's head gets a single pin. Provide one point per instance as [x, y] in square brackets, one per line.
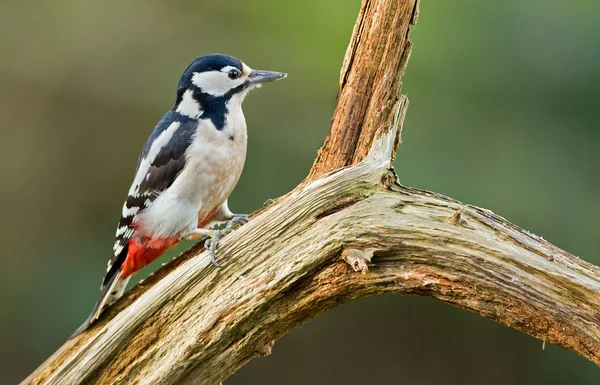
[219, 78]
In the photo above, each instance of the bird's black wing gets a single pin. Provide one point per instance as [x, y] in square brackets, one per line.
[161, 160]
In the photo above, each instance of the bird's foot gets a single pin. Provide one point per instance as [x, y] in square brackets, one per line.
[213, 241]
[214, 236]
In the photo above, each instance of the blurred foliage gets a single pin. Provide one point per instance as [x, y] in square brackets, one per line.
[502, 114]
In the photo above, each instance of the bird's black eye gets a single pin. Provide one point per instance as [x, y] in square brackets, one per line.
[234, 74]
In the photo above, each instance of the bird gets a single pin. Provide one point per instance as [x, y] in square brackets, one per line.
[186, 171]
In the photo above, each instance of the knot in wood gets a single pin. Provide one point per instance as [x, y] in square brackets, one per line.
[358, 259]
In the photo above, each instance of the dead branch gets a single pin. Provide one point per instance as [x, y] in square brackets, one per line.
[348, 231]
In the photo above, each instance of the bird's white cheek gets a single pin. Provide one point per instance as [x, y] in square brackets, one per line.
[215, 83]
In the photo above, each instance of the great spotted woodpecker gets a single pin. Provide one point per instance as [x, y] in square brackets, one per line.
[188, 168]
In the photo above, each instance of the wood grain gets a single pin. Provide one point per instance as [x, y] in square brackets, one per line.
[348, 231]
[370, 83]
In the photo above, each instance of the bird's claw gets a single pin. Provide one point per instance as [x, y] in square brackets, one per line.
[215, 236]
[236, 220]
[211, 245]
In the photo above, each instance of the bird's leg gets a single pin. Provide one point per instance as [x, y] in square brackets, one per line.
[211, 243]
[214, 236]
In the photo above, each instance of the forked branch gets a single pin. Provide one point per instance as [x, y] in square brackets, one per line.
[348, 231]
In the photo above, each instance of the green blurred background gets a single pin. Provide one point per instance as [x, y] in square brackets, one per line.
[503, 114]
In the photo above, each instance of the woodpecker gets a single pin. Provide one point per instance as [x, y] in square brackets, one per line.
[186, 171]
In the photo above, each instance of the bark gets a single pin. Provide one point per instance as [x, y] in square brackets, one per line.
[370, 83]
[348, 231]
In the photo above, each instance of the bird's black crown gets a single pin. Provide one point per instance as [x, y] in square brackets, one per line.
[210, 62]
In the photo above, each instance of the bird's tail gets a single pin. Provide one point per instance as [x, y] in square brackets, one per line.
[111, 292]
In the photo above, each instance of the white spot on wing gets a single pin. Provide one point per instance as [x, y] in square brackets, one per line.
[162, 140]
[118, 248]
[189, 106]
[121, 230]
[127, 212]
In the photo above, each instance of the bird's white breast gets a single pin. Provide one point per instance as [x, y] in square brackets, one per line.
[214, 163]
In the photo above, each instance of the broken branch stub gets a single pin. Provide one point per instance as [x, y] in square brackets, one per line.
[370, 84]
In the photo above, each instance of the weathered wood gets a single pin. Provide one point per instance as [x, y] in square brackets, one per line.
[343, 234]
[370, 83]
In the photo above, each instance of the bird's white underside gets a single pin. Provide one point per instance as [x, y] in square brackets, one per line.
[214, 163]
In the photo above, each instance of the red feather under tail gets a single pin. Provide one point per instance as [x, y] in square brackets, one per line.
[141, 254]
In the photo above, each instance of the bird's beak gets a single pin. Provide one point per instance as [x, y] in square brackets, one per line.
[258, 76]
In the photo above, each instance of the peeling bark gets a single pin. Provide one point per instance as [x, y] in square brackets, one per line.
[349, 230]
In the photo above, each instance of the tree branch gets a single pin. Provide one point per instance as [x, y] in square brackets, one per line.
[343, 234]
[370, 83]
